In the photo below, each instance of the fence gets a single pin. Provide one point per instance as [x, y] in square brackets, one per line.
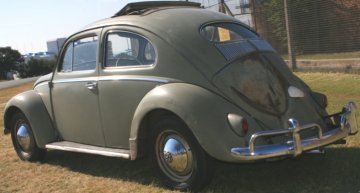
[318, 29]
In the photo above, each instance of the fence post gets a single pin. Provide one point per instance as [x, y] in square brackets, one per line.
[292, 58]
[221, 6]
[253, 17]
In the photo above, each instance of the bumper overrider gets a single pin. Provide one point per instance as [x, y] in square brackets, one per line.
[346, 125]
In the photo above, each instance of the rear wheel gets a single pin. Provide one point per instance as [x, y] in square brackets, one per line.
[23, 139]
[179, 160]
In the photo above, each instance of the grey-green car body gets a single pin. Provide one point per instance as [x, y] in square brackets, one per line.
[112, 107]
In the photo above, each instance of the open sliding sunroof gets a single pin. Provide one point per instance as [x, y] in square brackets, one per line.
[139, 8]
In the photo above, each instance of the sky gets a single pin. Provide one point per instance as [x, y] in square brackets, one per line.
[26, 25]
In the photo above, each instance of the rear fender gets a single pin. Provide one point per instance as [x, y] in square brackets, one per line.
[31, 104]
[204, 112]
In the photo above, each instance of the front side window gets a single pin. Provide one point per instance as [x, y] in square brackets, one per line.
[127, 49]
[80, 55]
[226, 32]
[67, 61]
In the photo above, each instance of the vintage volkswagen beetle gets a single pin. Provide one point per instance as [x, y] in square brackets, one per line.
[179, 84]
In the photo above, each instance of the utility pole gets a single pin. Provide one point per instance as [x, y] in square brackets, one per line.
[292, 59]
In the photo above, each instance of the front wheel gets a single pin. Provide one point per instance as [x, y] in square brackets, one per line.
[23, 139]
[179, 160]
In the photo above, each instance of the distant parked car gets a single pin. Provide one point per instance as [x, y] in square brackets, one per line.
[179, 84]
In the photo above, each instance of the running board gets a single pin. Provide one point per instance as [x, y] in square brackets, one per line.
[81, 148]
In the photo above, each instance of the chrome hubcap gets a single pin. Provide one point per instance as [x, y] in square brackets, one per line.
[23, 137]
[174, 156]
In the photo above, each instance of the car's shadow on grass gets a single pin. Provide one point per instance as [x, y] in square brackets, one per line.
[336, 171]
[138, 171]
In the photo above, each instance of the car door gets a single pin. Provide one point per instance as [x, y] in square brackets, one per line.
[75, 92]
[124, 80]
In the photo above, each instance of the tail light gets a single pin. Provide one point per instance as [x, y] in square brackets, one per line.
[238, 124]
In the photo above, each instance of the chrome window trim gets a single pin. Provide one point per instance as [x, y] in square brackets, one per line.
[68, 73]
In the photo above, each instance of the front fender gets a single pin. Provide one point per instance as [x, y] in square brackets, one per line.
[204, 112]
[31, 104]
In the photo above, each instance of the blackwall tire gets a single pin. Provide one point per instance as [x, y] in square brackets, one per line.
[23, 139]
[179, 161]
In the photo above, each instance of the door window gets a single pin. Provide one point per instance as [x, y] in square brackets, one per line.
[80, 55]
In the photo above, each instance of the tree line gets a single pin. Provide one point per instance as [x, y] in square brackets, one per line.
[12, 61]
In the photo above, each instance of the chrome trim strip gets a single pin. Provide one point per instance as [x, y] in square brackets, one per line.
[129, 68]
[71, 80]
[297, 146]
[117, 78]
[110, 152]
[137, 78]
[41, 84]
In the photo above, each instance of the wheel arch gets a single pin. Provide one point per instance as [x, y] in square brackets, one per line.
[9, 113]
[145, 128]
[31, 105]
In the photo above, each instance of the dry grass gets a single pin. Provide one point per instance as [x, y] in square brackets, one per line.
[68, 172]
[337, 171]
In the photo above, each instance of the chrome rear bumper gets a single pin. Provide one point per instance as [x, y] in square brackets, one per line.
[296, 145]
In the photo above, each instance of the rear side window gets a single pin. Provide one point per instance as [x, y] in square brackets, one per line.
[80, 55]
[226, 32]
[128, 49]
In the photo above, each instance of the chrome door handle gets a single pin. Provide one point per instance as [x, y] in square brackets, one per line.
[91, 86]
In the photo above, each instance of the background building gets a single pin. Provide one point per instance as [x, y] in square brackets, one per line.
[53, 49]
[54, 46]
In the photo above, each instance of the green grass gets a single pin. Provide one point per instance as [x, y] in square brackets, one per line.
[339, 88]
[344, 55]
[338, 171]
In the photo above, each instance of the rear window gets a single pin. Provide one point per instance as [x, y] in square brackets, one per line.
[226, 32]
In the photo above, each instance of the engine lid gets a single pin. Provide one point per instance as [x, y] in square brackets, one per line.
[252, 79]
